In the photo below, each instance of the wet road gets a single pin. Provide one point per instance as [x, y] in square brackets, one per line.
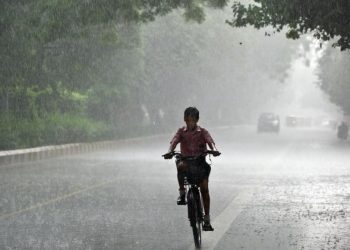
[286, 191]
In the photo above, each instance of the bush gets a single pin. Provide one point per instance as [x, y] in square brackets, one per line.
[54, 129]
[61, 129]
[7, 136]
[51, 130]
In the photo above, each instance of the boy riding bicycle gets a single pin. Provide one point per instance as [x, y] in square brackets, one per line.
[193, 141]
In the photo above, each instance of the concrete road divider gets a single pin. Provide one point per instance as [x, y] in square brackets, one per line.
[32, 154]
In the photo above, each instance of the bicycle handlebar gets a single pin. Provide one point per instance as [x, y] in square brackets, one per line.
[170, 155]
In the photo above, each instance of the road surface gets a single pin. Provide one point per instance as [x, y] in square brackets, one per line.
[268, 191]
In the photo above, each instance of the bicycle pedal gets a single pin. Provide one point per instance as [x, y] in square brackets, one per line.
[181, 203]
[208, 228]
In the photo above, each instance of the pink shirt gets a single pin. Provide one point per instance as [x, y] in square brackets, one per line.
[192, 143]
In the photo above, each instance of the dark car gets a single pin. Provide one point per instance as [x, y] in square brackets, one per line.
[343, 131]
[268, 122]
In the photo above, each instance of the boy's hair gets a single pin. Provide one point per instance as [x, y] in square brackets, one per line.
[192, 111]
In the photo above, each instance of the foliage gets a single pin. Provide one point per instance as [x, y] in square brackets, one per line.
[54, 129]
[327, 19]
[334, 75]
[74, 71]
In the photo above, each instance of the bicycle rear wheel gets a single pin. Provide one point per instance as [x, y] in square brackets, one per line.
[197, 234]
[194, 217]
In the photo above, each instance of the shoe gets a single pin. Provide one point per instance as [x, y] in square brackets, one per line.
[181, 200]
[207, 227]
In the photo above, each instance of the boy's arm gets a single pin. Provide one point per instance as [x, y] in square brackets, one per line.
[171, 148]
[176, 139]
[212, 146]
[209, 140]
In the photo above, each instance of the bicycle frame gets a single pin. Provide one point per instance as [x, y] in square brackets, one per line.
[195, 211]
[194, 198]
[194, 194]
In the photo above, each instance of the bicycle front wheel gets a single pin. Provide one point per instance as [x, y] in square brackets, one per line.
[195, 219]
[197, 234]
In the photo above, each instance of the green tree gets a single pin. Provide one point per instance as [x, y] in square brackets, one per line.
[326, 19]
[334, 75]
[72, 62]
[45, 43]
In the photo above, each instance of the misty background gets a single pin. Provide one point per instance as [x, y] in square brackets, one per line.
[65, 81]
[76, 71]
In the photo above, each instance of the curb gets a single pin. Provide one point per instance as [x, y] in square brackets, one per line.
[39, 153]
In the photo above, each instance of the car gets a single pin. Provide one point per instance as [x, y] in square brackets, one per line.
[291, 121]
[343, 131]
[268, 122]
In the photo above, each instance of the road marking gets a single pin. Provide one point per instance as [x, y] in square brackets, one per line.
[223, 222]
[62, 197]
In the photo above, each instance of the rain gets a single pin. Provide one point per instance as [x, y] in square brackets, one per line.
[93, 93]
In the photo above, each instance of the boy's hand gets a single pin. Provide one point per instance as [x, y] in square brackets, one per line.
[216, 153]
[168, 155]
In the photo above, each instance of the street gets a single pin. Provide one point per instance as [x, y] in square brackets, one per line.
[268, 191]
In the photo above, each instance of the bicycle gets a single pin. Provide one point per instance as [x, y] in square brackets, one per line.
[194, 199]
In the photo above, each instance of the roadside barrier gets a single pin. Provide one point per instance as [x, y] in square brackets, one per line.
[33, 154]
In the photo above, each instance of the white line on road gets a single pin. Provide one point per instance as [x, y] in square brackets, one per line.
[223, 222]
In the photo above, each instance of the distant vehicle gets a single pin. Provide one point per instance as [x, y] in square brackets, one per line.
[268, 122]
[291, 121]
[343, 131]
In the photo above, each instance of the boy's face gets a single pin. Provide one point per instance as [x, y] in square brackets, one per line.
[191, 122]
